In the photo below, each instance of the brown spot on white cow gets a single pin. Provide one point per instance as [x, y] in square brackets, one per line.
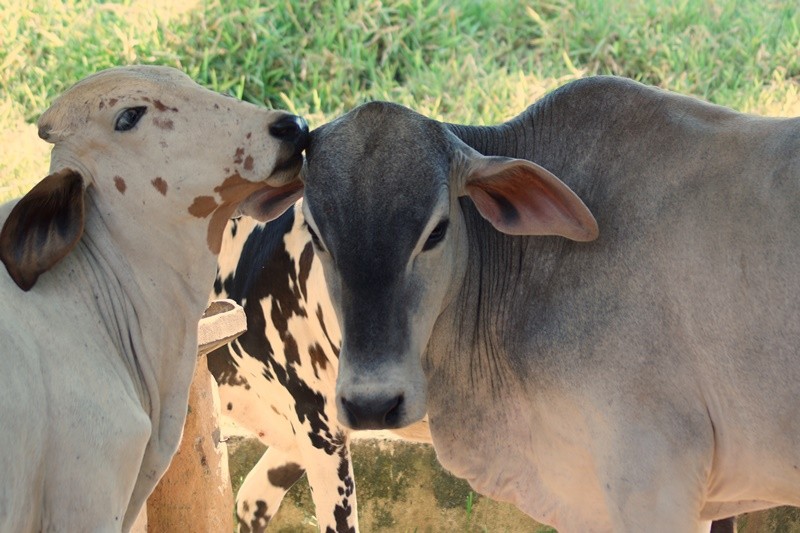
[119, 183]
[158, 104]
[202, 206]
[161, 107]
[232, 190]
[216, 226]
[164, 124]
[160, 185]
[239, 156]
[112, 102]
[248, 162]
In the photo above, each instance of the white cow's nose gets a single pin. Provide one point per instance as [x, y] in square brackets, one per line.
[291, 129]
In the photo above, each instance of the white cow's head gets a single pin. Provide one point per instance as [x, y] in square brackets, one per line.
[154, 153]
[383, 188]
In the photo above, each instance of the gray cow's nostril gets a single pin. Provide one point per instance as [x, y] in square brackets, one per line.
[374, 413]
[290, 128]
[392, 417]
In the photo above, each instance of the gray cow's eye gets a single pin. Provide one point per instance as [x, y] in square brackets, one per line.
[129, 117]
[436, 236]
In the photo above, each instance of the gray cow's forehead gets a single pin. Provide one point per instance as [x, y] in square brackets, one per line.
[374, 177]
[378, 153]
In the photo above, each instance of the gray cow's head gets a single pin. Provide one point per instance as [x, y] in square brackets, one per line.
[382, 188]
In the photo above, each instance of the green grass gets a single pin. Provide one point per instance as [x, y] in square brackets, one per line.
[469, 61]
[326, 56]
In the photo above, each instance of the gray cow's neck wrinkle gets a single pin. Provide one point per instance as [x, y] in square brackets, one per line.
[511, 281]
[490, 291]
[505, 273]
[597, 137]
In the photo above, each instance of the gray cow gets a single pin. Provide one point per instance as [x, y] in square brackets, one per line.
[641, 374]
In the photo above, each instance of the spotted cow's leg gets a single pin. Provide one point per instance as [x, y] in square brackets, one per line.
[265, 486]
[335, 502]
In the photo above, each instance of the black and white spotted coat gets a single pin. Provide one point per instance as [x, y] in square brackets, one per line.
[278, 379]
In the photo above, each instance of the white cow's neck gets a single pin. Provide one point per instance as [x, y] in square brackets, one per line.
[160, 285]
[158, 296]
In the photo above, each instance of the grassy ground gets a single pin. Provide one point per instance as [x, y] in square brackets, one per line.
[469, 60]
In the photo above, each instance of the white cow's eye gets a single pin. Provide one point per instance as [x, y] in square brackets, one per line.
[129, 117]
[436, 236]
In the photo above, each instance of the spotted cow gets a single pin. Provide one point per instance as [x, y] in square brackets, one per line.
[278, 379]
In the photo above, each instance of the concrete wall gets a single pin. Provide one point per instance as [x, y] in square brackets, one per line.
[402, 488]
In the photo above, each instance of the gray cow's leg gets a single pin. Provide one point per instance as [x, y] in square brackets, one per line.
[265, 486]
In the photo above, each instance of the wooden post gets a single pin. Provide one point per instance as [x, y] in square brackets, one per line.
[195, 493]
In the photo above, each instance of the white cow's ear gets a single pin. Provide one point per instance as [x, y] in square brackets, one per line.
[521, 198]
[43, 227]
[271, 202]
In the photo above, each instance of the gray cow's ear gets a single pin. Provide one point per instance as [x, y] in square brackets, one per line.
[43, 227]
[271, 202]
[521, 198]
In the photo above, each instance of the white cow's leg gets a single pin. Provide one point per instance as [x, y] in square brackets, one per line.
[83, 493]
[265, 486]
[330, 475]
[704, 526]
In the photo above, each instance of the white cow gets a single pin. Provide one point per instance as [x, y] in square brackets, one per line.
[110, 259]
[599, 309]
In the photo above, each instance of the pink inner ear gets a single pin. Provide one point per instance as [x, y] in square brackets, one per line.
[521, 198]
